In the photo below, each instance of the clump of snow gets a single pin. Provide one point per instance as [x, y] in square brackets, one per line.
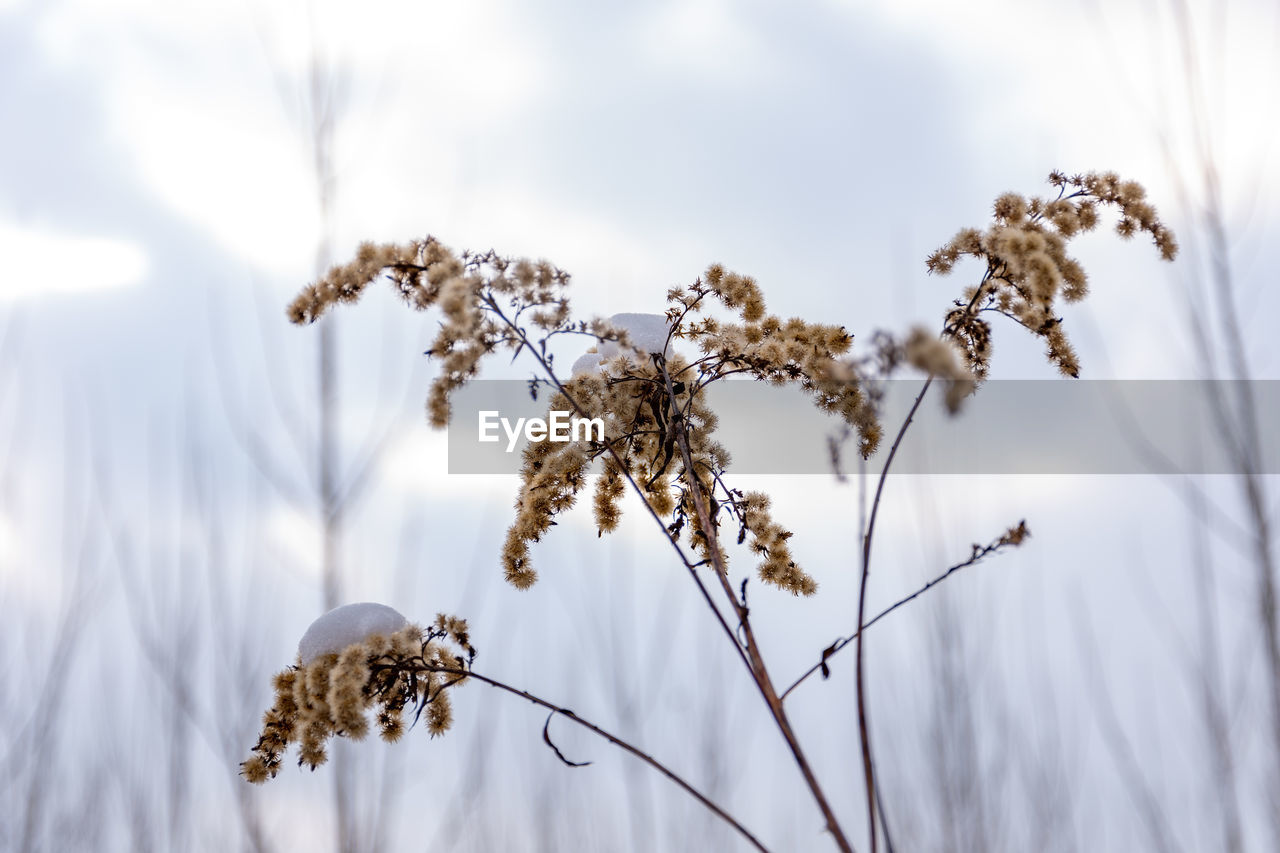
[587, 362]
[346, 625]
[648, 333]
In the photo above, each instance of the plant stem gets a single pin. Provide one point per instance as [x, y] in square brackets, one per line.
[841, 643]
[864, 734]
[689, 565]
[750, 655]
[613, 739]
[759, 671]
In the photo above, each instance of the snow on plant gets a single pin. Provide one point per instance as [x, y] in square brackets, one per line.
[659, 440]
[348, 663]
[346, 625]
[647, 333]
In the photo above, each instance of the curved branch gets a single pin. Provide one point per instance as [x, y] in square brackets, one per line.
[611, 738]
[842, 642]
[864, 735]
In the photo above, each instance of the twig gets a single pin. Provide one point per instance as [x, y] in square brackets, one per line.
[546, 738]
[842, 642]
[759, 671]
[613, 739]
[868, 766]
[689, 564]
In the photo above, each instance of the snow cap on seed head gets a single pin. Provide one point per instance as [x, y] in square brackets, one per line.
[347, 625]
[646, 332]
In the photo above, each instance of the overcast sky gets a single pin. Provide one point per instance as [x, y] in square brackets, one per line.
[157, 211]
[157, 207]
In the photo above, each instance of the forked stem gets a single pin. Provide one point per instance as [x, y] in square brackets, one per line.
[616, 741]
[759, 672]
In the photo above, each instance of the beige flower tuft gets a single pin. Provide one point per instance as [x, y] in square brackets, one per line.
[1027, 266]
[332, 695]
[659, 431]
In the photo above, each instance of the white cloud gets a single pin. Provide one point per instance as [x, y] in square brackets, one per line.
[468, 59]
[198, 98]
[705, 39]
[1095, 84]
[231, 169]
[42, 261]
[10, 547]
[298, 536]
[417, 463]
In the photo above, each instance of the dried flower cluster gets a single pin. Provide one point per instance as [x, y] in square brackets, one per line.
[652, 403]
[769, 539]
[473, 291]
[1027, 264]
[329, 697]
[645, 419]
[773, 350]
[938, 357]
[486, 301]
[651, 400]
[1015, 535]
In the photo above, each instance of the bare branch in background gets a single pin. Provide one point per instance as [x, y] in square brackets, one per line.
[1145, 801]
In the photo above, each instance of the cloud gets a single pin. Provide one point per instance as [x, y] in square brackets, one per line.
[415, 466]
[10, 547]
[705, 40]
[40, 261]
[210, 105]
[231, 169]
[297, 537]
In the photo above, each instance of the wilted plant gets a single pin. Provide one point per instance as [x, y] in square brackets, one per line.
[659, 440]
[329, 694]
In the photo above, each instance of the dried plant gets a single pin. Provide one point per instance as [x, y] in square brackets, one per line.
[331, 694]
[1025, 249]
[659, 440]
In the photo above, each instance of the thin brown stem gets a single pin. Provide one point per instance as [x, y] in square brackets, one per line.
[748, 652]
[864, 734]
[842, 642]
[690, 565]
[759, 671]
[611, 738]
